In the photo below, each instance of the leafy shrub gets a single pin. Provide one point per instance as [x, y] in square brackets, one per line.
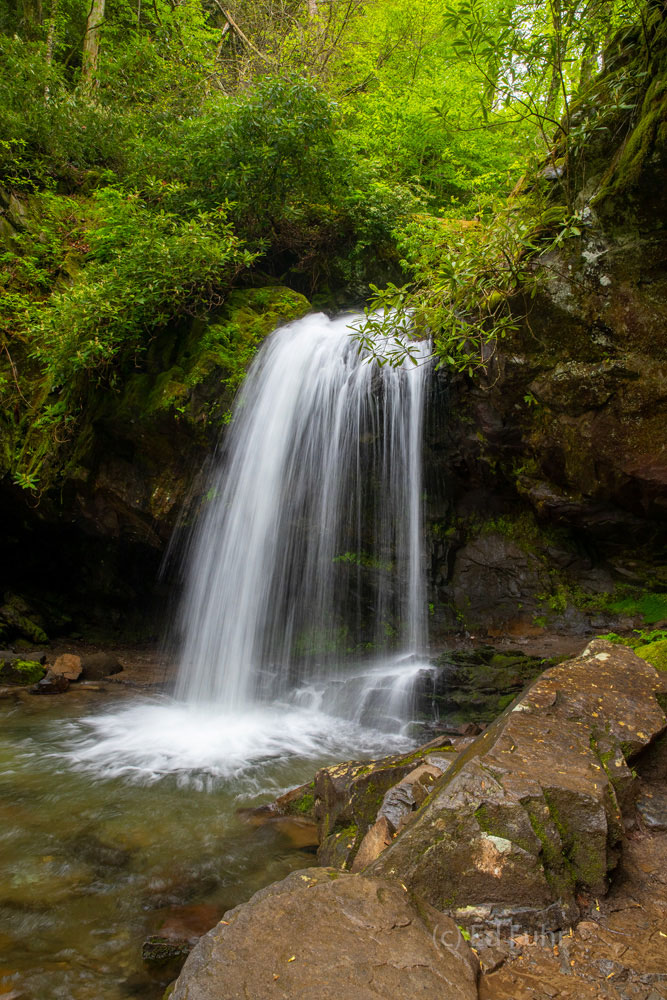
[145, 267]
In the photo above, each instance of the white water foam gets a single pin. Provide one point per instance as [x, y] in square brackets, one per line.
[155, 739]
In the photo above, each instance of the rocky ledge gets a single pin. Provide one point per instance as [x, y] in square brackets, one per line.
[516, 837]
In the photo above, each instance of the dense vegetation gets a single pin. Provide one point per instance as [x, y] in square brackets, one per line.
[155, 156]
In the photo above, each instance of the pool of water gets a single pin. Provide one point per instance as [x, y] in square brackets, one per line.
[118, 817]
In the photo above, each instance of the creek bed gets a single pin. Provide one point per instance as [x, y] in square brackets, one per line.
[112, 820]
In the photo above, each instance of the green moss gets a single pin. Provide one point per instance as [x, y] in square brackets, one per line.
[365, 560]
[654, 653]
[651, 605]
[492, 821]
[625, 173]
[13, 616]
[305, 804]
[585, 860]
[22, 672]
[558, 869]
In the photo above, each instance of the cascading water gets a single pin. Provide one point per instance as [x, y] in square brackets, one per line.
[310, 548]
[304, 610]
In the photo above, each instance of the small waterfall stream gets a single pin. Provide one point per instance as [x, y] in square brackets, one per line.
[303, 620]
[309, 553]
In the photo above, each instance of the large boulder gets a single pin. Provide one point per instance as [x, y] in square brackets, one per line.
[532, 812]
[322, 935]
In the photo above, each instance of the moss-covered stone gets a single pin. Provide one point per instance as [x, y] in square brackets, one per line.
[21, 672]
[477, 685]
[349, 795]
[654, 653]
[15, 616]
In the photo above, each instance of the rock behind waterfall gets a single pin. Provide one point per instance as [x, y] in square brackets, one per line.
[323, 935]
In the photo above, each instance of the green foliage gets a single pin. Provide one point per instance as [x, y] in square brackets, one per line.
[48, 132]
[466, 275]
[144, 267]
[366, 147]
[651, 606]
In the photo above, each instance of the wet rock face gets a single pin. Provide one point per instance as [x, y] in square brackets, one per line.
[569, 423]
[475, 685]
[493, 575]
[321, 935]
[532, 813]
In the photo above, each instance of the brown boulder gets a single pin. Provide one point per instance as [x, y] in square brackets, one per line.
[68, 666]
[373, 844]
[99, 665]
[531, 813]
[323, 935]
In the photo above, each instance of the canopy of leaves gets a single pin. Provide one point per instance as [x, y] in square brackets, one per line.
[334, 145]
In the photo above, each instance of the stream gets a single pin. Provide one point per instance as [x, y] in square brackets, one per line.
[118, 816]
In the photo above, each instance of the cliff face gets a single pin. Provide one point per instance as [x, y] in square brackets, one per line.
[557, 459]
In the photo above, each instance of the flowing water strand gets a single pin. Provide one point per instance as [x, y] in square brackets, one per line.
[310, 549]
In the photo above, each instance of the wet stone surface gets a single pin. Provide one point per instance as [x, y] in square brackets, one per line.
[618, 950]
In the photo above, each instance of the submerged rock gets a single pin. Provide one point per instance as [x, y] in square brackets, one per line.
[163, 951]
[321, 935]
[531, 813]
[51, 684]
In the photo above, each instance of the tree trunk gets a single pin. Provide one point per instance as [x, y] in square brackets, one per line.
[312, 9]
[557, 58]
[51, 33]
[91, 46]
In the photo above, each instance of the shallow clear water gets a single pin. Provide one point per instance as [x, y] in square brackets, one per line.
[114, 817]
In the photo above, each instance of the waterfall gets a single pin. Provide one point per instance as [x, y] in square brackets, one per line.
[308, 554]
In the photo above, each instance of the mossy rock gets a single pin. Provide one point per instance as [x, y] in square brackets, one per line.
[22, 672]
[159, 950]
[529, 814]
[14, 616]
[222, 346]
[349, 795]
[654, 653]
